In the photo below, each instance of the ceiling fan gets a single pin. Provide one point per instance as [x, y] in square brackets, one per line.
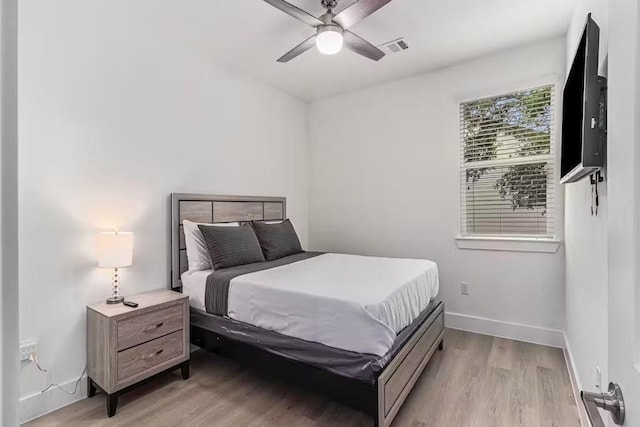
[332, 30]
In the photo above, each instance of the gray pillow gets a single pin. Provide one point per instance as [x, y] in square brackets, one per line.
[231, 246]
[277, 240]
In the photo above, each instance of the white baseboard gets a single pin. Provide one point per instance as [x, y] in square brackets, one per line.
[39, 404]
[497, 328]
[575, 382]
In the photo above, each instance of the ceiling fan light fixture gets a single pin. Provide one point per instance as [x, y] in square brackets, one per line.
[329, 39]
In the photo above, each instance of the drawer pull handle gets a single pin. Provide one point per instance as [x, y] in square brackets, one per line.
[149, 356]
[154, 327]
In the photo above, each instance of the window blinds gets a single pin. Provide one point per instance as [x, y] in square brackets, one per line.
[507, 165]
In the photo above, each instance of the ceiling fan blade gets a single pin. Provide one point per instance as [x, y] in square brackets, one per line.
[298, 50]
[361, 46]
[296, 12]
[357, 12]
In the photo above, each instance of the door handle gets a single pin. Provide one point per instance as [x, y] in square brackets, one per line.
[611, 401]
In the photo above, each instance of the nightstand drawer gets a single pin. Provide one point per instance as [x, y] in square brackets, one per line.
[144, 357]
[148, 326]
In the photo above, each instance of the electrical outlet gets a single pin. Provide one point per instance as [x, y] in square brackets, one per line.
[464, 288]
[28, 348]
[598, 378]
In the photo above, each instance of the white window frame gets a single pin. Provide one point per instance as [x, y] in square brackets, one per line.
[521, 244]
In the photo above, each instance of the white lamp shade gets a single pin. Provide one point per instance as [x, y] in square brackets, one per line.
[115, 249]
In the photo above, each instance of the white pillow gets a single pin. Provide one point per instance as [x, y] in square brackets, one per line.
[197, 252]
[273, 221]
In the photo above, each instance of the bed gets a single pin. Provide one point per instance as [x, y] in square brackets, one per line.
[288, 315]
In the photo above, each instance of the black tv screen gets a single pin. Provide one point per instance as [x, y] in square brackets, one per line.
[583, 111]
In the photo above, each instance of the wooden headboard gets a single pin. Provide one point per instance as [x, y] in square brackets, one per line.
[212, 209]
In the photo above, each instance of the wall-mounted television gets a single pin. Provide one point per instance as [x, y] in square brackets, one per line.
[584, 134]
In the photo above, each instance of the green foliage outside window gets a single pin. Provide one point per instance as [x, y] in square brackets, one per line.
[524, 117]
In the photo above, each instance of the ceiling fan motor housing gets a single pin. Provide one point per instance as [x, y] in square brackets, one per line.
[329, 27]
[327, 18]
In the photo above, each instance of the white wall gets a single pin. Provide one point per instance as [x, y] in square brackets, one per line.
[602, 251]
[586, 241]
[9, 213]
[117, 110]
[624, 202]
[623, 237]
[385, 181]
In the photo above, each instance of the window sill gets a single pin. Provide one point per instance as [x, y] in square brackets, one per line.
[511, 244]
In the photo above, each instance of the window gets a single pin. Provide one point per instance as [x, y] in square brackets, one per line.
[507, 165]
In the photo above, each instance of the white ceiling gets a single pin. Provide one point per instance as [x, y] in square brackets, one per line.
[247, 36]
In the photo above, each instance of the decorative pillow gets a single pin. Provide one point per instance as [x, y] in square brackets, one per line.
[231, 246]
[277, 240]
[197, 252]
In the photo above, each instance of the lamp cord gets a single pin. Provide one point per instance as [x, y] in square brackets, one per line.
[34, 358]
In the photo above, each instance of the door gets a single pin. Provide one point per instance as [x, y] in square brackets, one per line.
[623, 170]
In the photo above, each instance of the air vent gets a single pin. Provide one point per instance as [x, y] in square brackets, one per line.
[394, 46]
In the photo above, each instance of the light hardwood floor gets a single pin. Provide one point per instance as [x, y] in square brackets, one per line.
[476, 381]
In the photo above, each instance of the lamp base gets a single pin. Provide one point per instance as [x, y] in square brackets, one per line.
[115, 300]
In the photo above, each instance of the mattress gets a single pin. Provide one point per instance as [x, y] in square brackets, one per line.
[350, 302]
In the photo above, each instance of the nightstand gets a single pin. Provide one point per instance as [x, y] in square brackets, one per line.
[128, 345]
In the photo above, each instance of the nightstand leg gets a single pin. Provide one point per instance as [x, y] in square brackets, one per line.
[91, 388]
[112, 404]
[441, 345]
[184, 370]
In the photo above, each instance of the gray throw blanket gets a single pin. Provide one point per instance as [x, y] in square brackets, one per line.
[216, 297]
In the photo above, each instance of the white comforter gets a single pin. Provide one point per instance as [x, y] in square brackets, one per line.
[351, 302]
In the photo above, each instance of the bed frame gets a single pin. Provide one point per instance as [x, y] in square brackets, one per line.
[382, 398]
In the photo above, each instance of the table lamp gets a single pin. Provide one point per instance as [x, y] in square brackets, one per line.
[115, 250]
